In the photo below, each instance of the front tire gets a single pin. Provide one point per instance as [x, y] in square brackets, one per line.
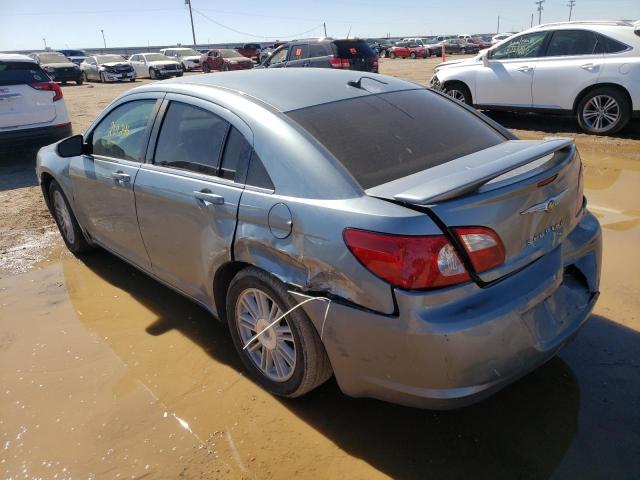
[458, 91]
[392, 55]
[102, 78]
[80, 80]
[153, 75]
[603, 111]
[413, 55]
[205, 68]
[225, 67]
[66, 220]
[289, 359]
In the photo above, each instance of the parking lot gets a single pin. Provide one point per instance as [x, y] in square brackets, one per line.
[106, 373]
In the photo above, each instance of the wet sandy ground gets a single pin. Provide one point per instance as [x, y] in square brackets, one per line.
[106, 374]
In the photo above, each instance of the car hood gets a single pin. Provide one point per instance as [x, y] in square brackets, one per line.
[457, 63]
[191, 57]
[115, 64]
[157, 63]
[239, 59]
[59, 65]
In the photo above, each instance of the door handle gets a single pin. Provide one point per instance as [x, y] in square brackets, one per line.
[207, 198]
[589, 66]
[525, 69]
[121, 178]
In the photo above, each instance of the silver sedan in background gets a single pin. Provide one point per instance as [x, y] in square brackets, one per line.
[360, 226]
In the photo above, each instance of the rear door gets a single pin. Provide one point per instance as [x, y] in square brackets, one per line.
[103, 181]
[508, 79]
[298, 55]
[573, 56]
[20, 104]
[188, 192]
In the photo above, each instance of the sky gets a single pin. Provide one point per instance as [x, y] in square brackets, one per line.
[78, 23]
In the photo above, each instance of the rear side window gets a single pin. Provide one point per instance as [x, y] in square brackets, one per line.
[380, 138]
[191, 139]
[122, 133]
[318, 50]
[236, 153]
[16, 73]
[609, 45]
[257, 174]
[571, 42]
[348, 49]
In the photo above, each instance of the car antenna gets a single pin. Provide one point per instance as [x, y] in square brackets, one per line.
[358, 83]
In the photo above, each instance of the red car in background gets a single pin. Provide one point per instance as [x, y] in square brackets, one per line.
[407, 50]
[224, 59]
[250, 50]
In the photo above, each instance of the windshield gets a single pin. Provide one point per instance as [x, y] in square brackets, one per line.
[52, 58]
[16, 73]
[109, 58]
[228, 53]
[187, 52]
[157, 57]
[380, 138]
[75, 53]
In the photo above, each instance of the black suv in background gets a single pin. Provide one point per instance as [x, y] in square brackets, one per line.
[348, 54]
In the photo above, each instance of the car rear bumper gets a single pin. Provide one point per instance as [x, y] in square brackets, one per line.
[35, 136]
[454, 346]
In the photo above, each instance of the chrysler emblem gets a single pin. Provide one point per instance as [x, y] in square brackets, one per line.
[547, 206]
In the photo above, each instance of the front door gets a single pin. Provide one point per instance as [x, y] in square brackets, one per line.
[573, 56]
[508, 78]
[188, 197]
[103, 181]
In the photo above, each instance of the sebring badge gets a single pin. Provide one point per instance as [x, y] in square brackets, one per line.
[547, 206]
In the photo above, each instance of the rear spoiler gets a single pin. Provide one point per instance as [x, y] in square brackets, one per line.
[468, 173]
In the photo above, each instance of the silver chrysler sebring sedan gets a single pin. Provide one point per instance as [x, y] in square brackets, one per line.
[340, 223]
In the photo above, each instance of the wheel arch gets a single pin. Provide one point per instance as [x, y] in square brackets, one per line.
[585, 91]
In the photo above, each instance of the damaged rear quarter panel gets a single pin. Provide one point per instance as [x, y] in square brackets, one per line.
[314, 256]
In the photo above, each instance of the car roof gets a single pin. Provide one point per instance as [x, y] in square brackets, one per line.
[287, 89]
[15, 57]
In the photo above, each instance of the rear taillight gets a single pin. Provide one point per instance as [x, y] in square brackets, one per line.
[53, 86]
[483, 246]
[337, 62]
[409, 262]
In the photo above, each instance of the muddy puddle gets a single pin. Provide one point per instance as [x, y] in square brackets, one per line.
[105, 373]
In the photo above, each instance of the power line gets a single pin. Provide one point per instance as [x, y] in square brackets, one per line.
[571, 4]
[254, 35]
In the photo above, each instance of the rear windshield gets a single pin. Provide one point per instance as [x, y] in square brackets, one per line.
[348, 49]
[75, 53]
[380, 138]
[16, 73]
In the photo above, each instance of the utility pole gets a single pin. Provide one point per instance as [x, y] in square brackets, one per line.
[571, 4]
[193, 30]
[45, 43]
[325, 28]
[498, 29]
[103, 40]
[540, 8]
[531, 26]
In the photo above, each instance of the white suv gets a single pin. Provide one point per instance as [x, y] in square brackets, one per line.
[32, 110]
[587, 69]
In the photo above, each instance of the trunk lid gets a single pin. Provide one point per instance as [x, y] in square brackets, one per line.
[22, 105]
[359, 54]
[528, 192]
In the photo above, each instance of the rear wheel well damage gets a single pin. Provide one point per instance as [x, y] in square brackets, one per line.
[45, 182]
[221, 281]
[596, 86]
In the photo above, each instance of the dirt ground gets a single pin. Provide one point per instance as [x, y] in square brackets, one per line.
[106, 374]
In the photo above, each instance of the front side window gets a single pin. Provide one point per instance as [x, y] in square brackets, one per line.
[524, 46]
[122, 133]
[571, 42]
[279, 57]
[191, 139]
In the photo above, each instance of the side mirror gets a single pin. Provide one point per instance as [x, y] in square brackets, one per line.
[71, 147]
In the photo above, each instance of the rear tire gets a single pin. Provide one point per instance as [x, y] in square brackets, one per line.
[295, 342]
[66, 220]
[458, 91]
[603, 111]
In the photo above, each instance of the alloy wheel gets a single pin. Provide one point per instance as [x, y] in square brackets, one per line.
[457, 94]
[273, 352]
[64, 217]
[601, 113]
